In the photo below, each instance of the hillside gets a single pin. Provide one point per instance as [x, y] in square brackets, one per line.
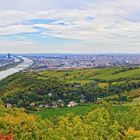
[57, 88]
[104, 74]
[40, 93]
[99, 123]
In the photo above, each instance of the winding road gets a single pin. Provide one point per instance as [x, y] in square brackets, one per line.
[25, 64]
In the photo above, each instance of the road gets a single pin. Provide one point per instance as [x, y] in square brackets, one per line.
[25, 64]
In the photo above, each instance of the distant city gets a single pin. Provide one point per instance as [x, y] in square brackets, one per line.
[74, 61]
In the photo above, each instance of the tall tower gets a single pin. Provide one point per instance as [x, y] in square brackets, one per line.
[9, 55]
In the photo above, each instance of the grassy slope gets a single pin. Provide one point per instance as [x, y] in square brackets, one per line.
[136, 101]
[78, 110]
[21, 81]
[134, 93]
[86, 75]
[52, 113]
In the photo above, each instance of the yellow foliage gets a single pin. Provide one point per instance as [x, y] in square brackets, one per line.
[132, 133]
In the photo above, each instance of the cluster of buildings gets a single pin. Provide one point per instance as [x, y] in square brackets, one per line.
[65, 62]
[54, 104]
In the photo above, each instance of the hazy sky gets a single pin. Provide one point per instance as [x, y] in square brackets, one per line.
[74, 26]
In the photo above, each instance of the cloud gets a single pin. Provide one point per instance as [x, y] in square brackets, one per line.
[16, 29]
[37, 5]
[102, 23]
[16, 46]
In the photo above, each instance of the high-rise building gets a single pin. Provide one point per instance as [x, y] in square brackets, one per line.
[9, 55]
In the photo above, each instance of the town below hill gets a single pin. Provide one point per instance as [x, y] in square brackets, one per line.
[80, 61]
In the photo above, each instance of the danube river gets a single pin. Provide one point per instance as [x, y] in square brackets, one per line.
[25, 64]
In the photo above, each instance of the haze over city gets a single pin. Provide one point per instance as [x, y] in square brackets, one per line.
[69, 26]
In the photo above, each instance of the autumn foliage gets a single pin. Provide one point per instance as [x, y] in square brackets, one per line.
[101, 123]
[10, 136]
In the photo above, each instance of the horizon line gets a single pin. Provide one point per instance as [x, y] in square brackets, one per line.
[71, 53]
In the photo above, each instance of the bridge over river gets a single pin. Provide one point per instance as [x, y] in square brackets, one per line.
[25, 64]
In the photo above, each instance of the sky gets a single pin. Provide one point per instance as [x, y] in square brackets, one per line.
[70, 26]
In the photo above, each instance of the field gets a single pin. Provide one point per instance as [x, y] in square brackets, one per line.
[78, 110]
[87, 75]
[135, 101]
[52, 113]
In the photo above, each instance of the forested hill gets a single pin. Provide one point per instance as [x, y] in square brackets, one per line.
[58, 88]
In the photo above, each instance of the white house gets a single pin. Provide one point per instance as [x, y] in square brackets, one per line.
[72, 104]
[9, 105]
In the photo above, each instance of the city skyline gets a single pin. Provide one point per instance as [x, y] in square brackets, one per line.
[68, 26]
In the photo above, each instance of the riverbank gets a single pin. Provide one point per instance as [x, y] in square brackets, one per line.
[25, 64]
